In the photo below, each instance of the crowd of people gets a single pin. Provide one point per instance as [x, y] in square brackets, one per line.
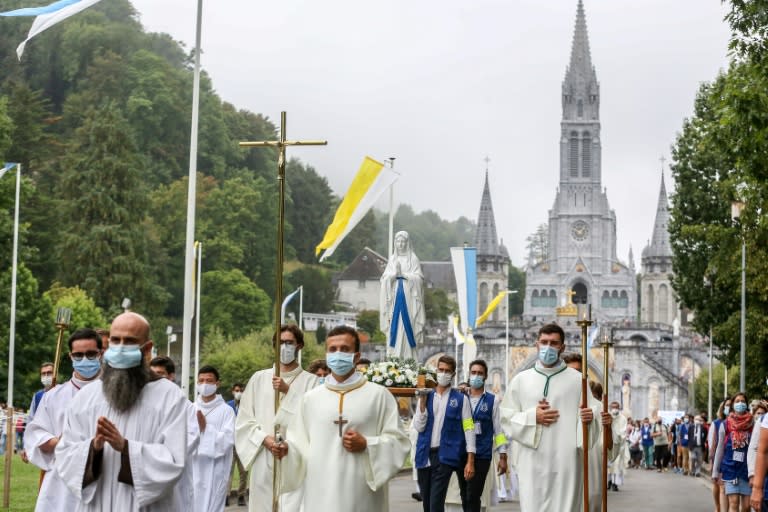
[120, 434]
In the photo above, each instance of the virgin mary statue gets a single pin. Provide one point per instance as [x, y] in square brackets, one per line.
[401, 303]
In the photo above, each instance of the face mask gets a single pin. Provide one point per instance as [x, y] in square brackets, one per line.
[238, 395]
[87, 367]
[740, 407]
[444, 379]
[206, 389]
[726, 410]
[476, 381]
[548, 355]
[321, 380]
[614, 412]
[340, 363]
[685, 421]
[287, 353]
[47, 380]
[123, 356]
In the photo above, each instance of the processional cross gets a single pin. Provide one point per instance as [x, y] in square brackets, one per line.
[280, 144]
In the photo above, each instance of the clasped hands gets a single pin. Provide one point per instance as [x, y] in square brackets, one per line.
[106, 432]
[353, 442]
[546, 415]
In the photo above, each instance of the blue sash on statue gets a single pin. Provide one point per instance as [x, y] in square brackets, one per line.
[401, 310]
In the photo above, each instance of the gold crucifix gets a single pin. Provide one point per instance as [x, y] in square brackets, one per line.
[570, 293]
[280, 145]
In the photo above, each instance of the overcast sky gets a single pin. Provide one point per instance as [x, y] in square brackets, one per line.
[441, 84]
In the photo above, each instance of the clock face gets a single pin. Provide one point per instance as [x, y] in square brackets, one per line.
[579, 230]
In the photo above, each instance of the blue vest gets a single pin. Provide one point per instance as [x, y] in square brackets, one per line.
[646, 434]
[683, 435]
[483, 414]
[453, 446]
[730, 468]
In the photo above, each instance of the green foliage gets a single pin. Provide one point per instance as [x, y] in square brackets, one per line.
[538, 244]
[701, 386]
[85, 313]
[368, 321]
[309, 211]
[516, 281]
[233, 304]
[25, 481]
[437, 305]
[6, 127]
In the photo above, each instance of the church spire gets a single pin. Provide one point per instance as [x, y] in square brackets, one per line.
[486, 240]
[659, 244]
[580, 88]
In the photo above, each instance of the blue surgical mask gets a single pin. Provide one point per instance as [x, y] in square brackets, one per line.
[87, 367]
[321, 380]
[548, 355]
[340, 363]
[726, 409]
[123, 356]
[476, 381]
[740, 407]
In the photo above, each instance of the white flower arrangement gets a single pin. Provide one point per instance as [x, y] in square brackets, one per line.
[397, 373]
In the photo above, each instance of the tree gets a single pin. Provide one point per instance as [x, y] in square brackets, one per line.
[309, 210]
[516, 281]
[318, 290]
[85, 313]
[232, 303]
[368, 321]
[437, 305]
[538, 244]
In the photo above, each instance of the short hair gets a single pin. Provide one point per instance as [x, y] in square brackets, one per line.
[364, 361]
[165, 362]
[740, 393]
[552, 329]
[448, 360]
[317, 364]
[293, 329]
[209, 369]
[345, 329]
[481, 363]
[86, 333]
[238, 385]
[597, 389]
[47, 363]
[572, 357]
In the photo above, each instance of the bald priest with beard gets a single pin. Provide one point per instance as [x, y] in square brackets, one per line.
[124, 441]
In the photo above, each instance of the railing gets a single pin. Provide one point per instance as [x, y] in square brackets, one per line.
[664, 371]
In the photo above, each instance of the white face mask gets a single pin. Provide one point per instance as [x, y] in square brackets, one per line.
[287, 353]
[46, 380]
[238, 395]
[206, 389]
[444, 379]
[614, 412]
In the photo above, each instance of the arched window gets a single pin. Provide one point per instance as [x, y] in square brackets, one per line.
[624, 299]
[580, 109]
[495, 314]
[483, 299]
[663, 304]
[605, 300]
[650, 304]
[552, 298]
[586, 155]
[535, 298]
[573, 155]
[614, 299]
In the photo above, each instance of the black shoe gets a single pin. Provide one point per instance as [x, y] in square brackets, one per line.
[226, 501]
[615, 487]
[241, 501]
[416, 496]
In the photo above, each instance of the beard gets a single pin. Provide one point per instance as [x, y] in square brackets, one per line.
[122, 387]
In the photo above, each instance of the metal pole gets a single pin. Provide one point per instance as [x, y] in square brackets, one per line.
[12, 343]
[584, 323]
[506, 345]
[301, 318]
[197, 305]
[191, 199]
[391, 240]
[709, 394]
[742, 355]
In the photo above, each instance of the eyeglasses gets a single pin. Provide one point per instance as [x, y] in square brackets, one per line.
[90, 354]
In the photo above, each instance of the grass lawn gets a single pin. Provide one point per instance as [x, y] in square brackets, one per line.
[24, 481]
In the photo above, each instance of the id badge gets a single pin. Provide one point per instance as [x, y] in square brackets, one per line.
[478, 428]
[738, 456]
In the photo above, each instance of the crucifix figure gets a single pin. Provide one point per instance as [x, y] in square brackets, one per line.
[341, 422]
[570, 293]
[280, 144]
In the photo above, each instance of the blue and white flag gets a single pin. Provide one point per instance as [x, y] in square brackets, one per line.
[47, 16]
[465, 270]
[7, 167]
[287, 301]
[592, 335]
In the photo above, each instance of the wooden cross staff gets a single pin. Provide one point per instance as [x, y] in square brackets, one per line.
[280, 144]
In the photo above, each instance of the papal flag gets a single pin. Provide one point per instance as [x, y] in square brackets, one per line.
[7, 167]
[464, 261]
[47, 16]
[371, 181]
[491, 307]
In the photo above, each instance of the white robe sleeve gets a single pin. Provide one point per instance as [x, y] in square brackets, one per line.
[157, 465]
[386, 452]
[249, 432]
[752, 450]
[520, 424]
[72, 455]
[40, 431]
[217, 443]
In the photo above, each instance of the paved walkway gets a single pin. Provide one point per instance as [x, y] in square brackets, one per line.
[642, 491]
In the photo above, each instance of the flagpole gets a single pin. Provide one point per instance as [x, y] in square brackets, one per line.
[301, 316]
[391, 240]
[506, 345]
[191, 199]
[12, 344]
[199, 246]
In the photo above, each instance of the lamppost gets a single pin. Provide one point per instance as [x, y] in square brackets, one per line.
[737, 207]
[711, 285]
[506, 344]
[171, 338]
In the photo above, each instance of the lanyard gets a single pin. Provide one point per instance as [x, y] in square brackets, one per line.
[477, 407]
[546, 384]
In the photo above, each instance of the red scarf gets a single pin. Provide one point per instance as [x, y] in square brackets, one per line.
[740, 428]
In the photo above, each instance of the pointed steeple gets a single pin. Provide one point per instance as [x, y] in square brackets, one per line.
[486, 239]
[580, 88]
[581, 59]
[659, 245]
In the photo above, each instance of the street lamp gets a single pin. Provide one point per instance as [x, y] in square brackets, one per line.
[171, 338]
[737, 208]
[711, 285]
[126, 304]
[506, 344]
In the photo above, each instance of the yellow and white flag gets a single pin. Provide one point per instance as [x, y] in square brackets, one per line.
[493, 305]
[371, 181]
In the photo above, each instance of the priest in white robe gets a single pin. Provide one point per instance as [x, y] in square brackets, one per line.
[124, 441]
[346, 442]
[256, 420]
[43, 432]
[541, 412]
[217, 436]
